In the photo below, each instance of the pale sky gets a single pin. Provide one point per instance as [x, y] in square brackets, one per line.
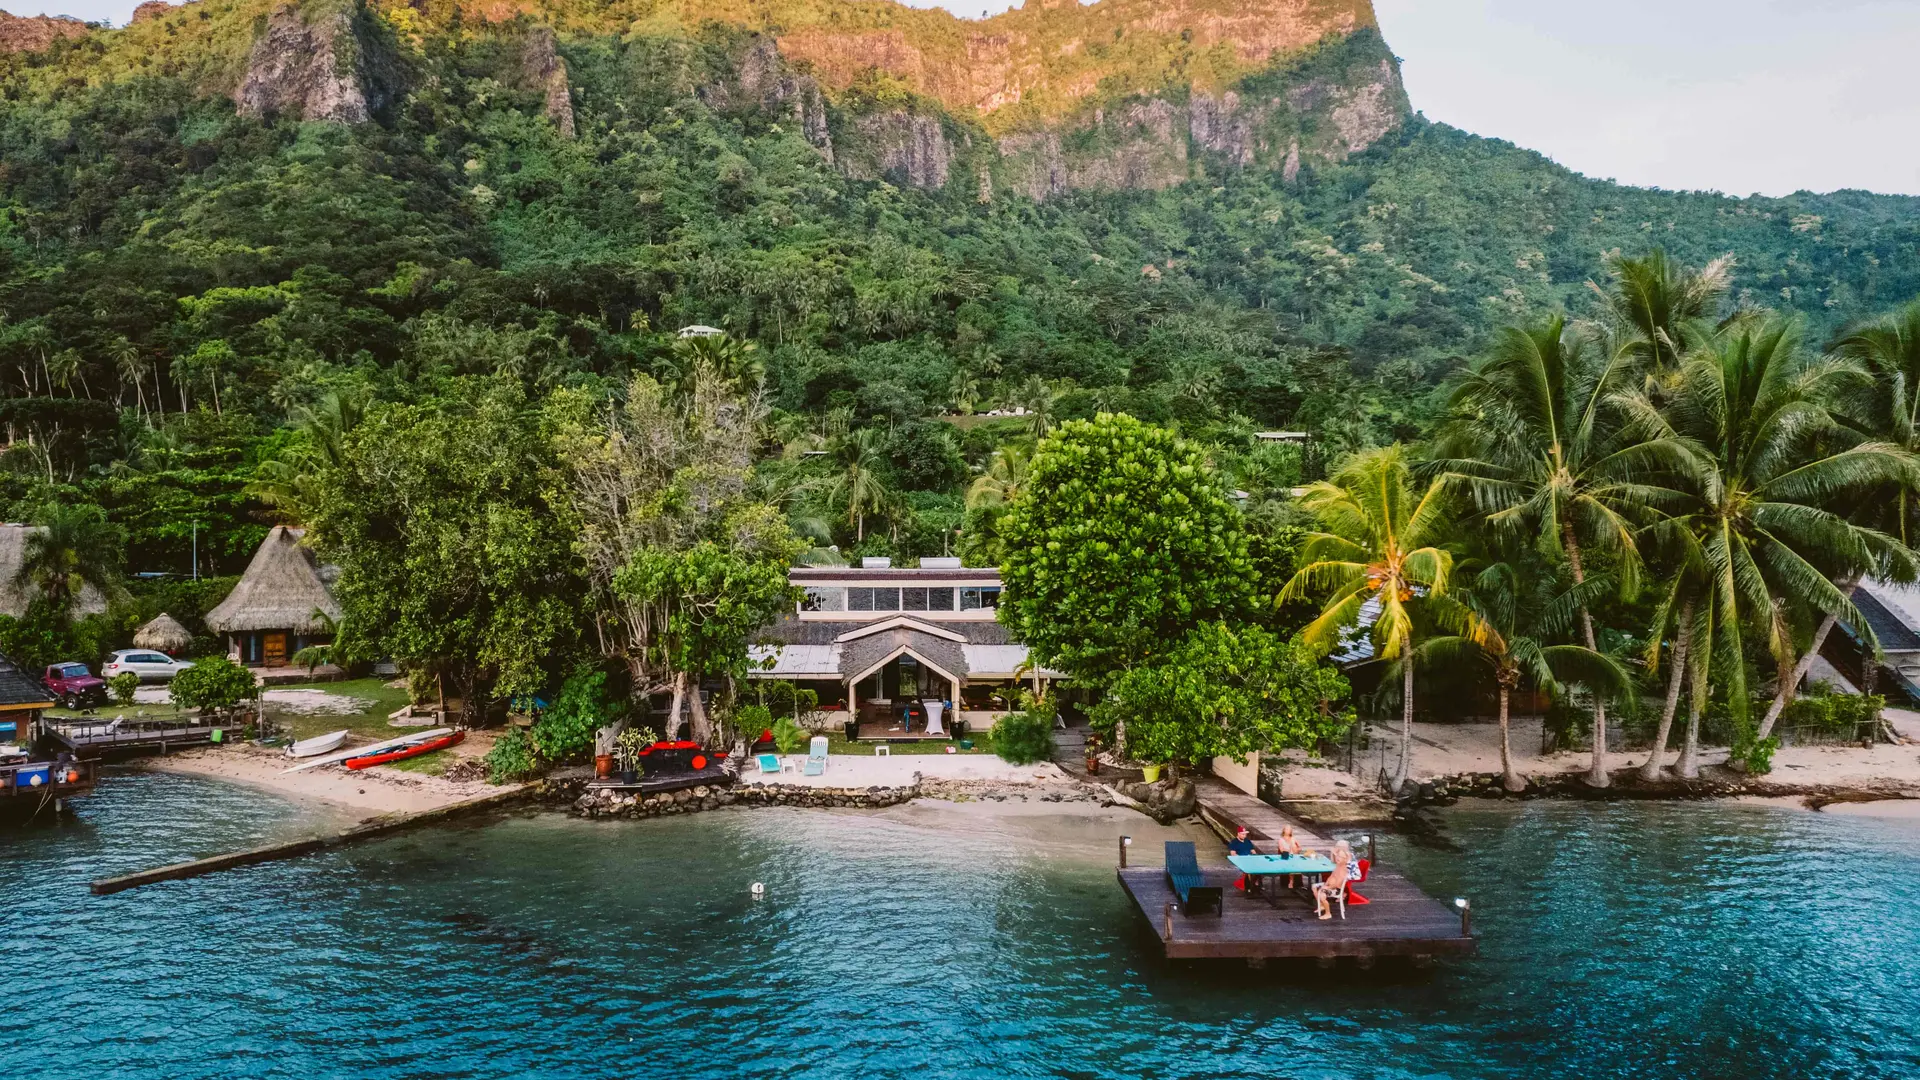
[1739, 96]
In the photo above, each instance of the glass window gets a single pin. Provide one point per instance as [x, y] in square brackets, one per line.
[977, 599]
[913, 599]
[939, 599]
[824, 598]
[873, 599]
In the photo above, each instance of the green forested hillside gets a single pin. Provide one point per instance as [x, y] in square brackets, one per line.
[179, 281]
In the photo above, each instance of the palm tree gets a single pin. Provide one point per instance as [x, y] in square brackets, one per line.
[63, 367]
[1379, 555]
[132, 368]
[1511, 611]
[74, 547]
[1766, 459]
[963, 390]
[1532, 441]
[860, 484]
[1004, 479]
[285, 482]
[1037, 398]
[1660, 312]
[732, 359]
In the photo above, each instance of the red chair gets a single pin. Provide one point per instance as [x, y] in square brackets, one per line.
[1354, 899]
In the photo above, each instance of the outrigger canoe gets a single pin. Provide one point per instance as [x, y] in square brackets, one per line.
[407, 751]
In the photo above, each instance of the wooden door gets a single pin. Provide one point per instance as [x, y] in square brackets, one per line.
[275, 648]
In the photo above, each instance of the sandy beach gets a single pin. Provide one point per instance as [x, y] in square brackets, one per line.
[1455, 749]
[380, 790]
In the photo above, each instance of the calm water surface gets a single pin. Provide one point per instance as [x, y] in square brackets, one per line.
[1618, 941]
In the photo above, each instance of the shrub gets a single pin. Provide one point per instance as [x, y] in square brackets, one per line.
[213, 683]
[789, 737]
[512, 757]
[565, 730]
[1025, 737]
[122, 686]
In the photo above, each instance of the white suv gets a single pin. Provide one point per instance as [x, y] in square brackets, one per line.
[149, 665]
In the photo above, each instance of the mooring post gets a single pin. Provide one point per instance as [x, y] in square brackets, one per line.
[1466, 915]
[1167, 914]
[1125, 843]
[1373, 857]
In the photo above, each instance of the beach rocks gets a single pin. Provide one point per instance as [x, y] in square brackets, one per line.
[611, 802]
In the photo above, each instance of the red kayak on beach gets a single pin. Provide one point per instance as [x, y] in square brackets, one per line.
[399, 752]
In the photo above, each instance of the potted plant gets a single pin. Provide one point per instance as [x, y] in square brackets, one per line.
[627, 751]
[1093, 754]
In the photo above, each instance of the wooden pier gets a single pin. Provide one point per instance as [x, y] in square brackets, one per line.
[91, 739]
[1398, 920]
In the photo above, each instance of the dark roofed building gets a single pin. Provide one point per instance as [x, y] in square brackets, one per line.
[878, 642]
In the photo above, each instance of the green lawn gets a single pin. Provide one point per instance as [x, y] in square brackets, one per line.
[370, 721]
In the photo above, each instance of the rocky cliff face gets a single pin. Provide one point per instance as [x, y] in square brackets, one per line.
[543, 68]
[314, 65]
[36, 32]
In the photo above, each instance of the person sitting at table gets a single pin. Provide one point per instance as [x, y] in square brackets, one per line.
[1241, 844]
[1344, 870]
[1289, 845]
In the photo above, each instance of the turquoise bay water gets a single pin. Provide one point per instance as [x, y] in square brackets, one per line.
[933, 941]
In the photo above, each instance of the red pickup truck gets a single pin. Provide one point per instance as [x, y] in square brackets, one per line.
[74, 686]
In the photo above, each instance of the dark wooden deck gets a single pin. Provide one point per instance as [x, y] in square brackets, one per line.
[1400, 920]
[88, 739]
[654, 784]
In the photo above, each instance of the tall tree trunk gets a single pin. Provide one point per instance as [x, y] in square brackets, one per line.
[1508, 778]
[1688, 767]
[1406, 722]
[702, 724]
[673, 709]
[1678, 661]
[1596, 776]
[1789, 684]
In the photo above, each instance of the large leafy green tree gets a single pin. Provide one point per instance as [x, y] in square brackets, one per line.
[1227, 690]
[453, 556]
[1122, 541]
[1379, 565]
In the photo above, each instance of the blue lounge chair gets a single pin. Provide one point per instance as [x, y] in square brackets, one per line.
[1189, 884]
[769, 764]
[816, 757]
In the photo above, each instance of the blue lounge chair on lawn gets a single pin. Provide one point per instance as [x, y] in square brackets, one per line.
[816, 757]
[1189, 884]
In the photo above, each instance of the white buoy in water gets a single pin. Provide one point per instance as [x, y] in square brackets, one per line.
[759, 890]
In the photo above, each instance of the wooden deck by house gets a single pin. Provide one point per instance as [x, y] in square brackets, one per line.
[1399, 920]
[94, 739]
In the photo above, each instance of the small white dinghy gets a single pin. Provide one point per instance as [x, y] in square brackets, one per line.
[319, 744]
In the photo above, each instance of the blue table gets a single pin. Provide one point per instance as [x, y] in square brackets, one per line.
[1257, 867]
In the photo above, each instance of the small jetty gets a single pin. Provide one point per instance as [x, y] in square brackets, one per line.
[1399, 920]
[97, 739]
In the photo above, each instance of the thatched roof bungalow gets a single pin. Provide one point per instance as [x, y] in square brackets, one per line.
[15, 595]
[163, 633]
[282, 604]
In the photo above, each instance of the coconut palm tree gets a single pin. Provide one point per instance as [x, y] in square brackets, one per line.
[132, 369]
[1766, 461]
[732, 359]
[1037, 398]
[1658, 311]
[323, 427]
[1379, 553]
[74, 547]
[1004, 479]
[1512, 611]
[1532, 440]
[859, 483]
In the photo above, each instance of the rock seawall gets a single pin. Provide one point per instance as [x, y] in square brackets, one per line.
[613, 803]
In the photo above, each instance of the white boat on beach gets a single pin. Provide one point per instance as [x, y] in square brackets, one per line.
[319, 744]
